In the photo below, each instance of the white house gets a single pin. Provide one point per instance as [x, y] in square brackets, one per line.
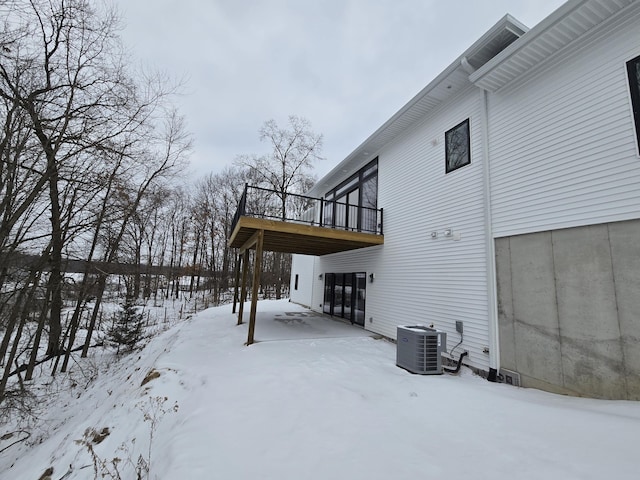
[510, 187]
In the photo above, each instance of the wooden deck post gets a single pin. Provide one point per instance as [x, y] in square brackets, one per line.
[257, 271]
[237, 281]
[243, 290]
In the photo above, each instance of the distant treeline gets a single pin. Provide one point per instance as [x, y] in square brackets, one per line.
[24, 261]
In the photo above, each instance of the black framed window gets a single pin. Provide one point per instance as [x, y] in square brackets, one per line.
[457, 147]
[352, 204]
[633, 69]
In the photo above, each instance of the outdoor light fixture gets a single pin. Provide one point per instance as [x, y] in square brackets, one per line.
[371, 277]
[320, 277]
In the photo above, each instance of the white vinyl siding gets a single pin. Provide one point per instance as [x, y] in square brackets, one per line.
[562, 153]
[420, 280]
[303, 266]
[562, 144]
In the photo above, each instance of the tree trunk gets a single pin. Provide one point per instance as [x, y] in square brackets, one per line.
[36, 340]
[12, 356]
[55, 275]
[102, 281]
[19, 311]
[196, 249]
[137, 272]
[277, 263]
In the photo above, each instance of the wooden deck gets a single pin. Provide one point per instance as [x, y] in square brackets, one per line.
[304, 239]
[260, 234]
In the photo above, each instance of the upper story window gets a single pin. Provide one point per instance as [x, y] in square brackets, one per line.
[633, 69]
[353, 203]
[457, 147]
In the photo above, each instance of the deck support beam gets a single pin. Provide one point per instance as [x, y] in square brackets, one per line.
[243, 289]
[257, 273]
[237, 282]
[244, 251]
[256, 242]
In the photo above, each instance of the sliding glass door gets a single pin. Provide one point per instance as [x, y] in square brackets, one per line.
[344, 296]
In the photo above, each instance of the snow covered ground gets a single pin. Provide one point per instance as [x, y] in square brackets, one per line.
[313, 399]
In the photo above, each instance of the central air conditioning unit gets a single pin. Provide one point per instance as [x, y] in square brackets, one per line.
[419, 349]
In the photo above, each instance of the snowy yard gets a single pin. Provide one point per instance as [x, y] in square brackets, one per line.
[313, 399]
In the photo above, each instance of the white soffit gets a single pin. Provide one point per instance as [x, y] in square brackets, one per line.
[558, 30]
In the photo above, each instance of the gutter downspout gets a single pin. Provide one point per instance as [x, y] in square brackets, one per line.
[492, 298]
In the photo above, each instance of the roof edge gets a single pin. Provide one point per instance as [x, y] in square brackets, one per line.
[507, 22]
[516, 47]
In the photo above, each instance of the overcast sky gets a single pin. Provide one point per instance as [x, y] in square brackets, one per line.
[345, 65]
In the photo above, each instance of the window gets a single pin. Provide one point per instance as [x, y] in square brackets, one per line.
[328, 209]
[457, 147]
[352, 204]
[633, 69]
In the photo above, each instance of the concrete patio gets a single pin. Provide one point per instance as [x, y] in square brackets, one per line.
[294, 322]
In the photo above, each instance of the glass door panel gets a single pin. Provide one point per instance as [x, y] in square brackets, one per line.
[353, 202]
[341, 212]
[329, 284]
[369, 220]
[327, 209]
[348, 295]
[338, 295]
[360, 292]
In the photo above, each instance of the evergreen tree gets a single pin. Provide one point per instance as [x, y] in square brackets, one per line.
[126, 330]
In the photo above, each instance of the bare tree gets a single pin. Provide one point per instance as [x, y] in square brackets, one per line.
[286, 169]
[165, 155]
[84, 142]
[65, 71]
[214, 205]
[288, 166]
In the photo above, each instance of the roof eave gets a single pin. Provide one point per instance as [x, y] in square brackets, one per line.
[545, 40]
[368, 149]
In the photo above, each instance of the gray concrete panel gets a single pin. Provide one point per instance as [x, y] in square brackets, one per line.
[505, 305]
[532, 382]
[569, 309]
[587, 312]
[624, 238]
[537, 344]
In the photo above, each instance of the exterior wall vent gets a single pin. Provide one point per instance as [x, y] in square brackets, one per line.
[509, 377]
[419, 349]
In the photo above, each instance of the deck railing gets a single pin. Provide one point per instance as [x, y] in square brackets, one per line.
[260, 202]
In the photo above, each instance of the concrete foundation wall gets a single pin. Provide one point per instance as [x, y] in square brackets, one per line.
[569, 309]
